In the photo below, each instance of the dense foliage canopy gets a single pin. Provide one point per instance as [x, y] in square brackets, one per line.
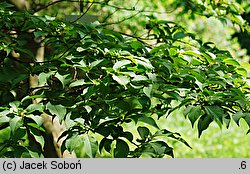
[103, 79]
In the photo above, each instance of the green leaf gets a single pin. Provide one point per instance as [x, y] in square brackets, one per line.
[123, 80]
[247, 119]
[144, 62]
[72, 143]
[113, 34]
[127, 135]
[106, 143]
[38, 34]
[80, 49]
[4, 5]
[95, 63]
[148, 90]
[38, 137]
[237, 116]
[33, 97]
[134, 103]
[175, 136]
[160, 148]
[64, 79]
[230, 61]
[18, 134]
[193, 53]
[15, 123]
[139, 78]
[136, 45]
[143, 132]
[4, 119]
[77, 83]
[120, 64]
[43, 77]
[57, 110]
[14, 105]
[36, 126]
[34, 107]
[203, 123]
[90, 146]
[121, 150]
[194, 113]
[242, 71]
[179, 35]
[216, 113]
[149, 120]
[39, 120]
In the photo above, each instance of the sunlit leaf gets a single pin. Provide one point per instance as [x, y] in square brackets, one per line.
[90, 146]
[57, 110]
[120, 64]
[15, 123]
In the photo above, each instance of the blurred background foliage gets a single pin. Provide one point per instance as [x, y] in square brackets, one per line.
[195, 16]
[211, 20]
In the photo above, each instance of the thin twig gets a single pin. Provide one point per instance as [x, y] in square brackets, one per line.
[84, 12]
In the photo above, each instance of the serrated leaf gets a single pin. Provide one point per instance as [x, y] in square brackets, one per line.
[149, 120]
[120, 64]
[121, 150]
[90, 146]
[143, 132]
[203, 123]
[57, 110]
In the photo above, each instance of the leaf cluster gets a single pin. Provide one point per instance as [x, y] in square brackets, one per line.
[97, 81]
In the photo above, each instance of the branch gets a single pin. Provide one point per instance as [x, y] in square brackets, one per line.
[84, 12]
[104, 4]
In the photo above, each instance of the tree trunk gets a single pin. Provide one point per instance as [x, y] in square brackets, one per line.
[52, 148]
